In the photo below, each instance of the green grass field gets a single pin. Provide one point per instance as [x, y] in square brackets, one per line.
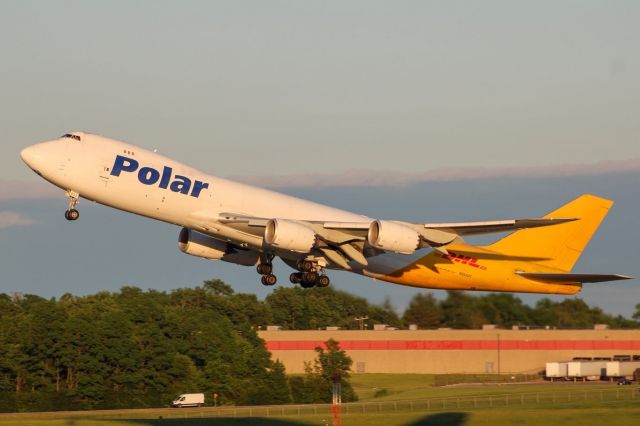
[619, 414]
[409, 400]
[420, 386]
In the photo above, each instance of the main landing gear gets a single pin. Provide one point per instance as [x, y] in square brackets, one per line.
[311, 275]
[72, 213]
[265, 268]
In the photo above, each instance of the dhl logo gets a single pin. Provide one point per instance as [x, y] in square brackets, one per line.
[461, 258]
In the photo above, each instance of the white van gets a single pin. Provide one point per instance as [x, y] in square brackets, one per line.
[188, 400]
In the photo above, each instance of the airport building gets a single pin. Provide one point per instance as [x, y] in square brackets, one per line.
[446, 351]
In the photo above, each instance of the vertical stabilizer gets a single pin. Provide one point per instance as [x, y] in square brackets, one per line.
[558, 246]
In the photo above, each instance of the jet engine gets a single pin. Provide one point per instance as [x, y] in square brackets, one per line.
[289, 235]
[393, 236]
[201, 245]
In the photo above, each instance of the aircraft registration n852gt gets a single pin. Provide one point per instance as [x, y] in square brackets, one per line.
[246, 225]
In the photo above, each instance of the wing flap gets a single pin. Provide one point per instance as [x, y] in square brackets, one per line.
[560, 278]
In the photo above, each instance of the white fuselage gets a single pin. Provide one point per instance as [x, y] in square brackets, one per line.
[129, 178]
[86, 167]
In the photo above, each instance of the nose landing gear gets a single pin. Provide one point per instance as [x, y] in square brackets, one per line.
[72, 214]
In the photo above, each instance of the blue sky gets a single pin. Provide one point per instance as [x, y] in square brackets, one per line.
[259, 89]
[277, 87]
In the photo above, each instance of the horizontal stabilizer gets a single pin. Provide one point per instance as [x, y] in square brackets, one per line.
[572, 278]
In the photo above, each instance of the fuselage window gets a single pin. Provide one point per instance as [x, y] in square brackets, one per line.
[70, 136]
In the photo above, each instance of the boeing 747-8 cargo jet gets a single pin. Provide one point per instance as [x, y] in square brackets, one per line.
[246, 225]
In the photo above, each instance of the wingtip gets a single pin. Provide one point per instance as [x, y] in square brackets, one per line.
[624, 277]
[559, 220]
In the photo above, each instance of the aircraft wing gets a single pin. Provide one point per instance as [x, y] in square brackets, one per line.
[476, 228]
[360, 229]
[343, 241]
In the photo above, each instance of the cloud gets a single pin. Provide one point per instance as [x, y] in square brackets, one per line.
[9, 219]
[386, 178]
[16, 190]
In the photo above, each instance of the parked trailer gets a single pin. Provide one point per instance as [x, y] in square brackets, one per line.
[622, 368]
[587, 370]
[556, 370]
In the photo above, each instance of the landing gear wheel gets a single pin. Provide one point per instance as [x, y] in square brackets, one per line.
[264, 268]
[295, 277]
[312, 276]
[323, 281]
[72, 214]
[269, 279]
[305, 265]
[307, 284]
[309, 279]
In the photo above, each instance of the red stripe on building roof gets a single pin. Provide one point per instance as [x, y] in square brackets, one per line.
[448, 345]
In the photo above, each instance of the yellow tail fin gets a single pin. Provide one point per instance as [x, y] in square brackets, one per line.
[558, 246]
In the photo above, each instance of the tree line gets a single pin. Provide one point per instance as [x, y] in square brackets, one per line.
[463, 310]
[307, 309]
[135, 348]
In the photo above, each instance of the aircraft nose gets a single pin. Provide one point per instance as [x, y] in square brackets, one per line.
[30, 156]
[34, 156]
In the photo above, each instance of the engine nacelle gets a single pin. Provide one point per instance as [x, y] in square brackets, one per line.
[289, 235]
[201, 245]
[392, 236]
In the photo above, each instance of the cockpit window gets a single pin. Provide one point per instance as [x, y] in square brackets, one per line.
[69, 135]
